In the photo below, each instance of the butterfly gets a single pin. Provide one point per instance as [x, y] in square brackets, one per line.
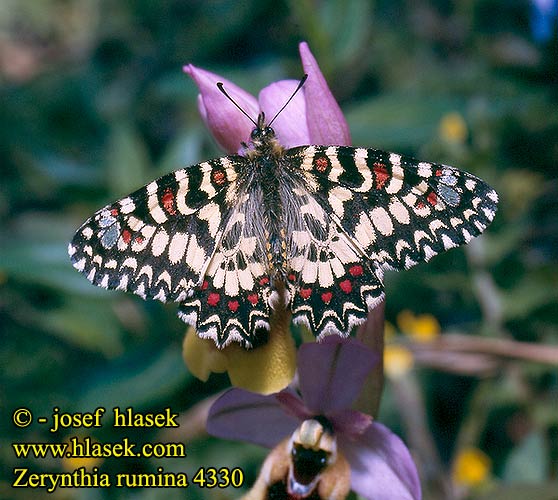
[310, 228]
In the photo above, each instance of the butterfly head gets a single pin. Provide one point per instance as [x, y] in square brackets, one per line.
[263, 140]
[262, 134]
[263, 137]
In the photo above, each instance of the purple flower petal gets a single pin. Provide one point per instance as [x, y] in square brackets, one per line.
[381, 465]
[227, 124]
[326, 122]
[351, 423]
[245, 416]
[332, 372]
[290, 126]
[292, 404]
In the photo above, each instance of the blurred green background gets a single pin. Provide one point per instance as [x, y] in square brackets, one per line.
[93, 104]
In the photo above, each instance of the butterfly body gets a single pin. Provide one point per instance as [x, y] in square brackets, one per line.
[268, 175]
[309, 228]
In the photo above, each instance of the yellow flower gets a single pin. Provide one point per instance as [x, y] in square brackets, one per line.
[389, 332]
[265, 369]
[421, 328]
[472, 467]
[398, 360]
[453, 128]
[71, 463]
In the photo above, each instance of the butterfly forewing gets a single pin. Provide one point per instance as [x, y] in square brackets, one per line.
[396, 210]
[158, 241]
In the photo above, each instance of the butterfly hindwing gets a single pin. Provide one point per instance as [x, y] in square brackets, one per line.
[233, 303]
[329, 285]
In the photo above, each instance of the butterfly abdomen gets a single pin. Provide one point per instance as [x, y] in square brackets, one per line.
[273, 214]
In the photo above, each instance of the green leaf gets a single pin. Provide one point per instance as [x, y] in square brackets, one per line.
[35, 251]
[183, 151]
[534, 291]
[336, 16]
[63, 170]
[45, 264]
[546, 491]
[139, 382]
[127, 161]
[86, 324]
[394, 121]
[528, 462]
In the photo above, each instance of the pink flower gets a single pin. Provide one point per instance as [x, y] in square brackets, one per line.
[331, 376]
[312, 117]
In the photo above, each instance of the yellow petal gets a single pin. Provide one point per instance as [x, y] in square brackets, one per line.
[202, 356]
[398, 360]
[426, 328]
[71, 463]
[265, 369]
[421, 328]
[453, 128]
[471, 467]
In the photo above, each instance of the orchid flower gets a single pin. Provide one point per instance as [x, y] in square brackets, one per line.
[331, 376]
[312, 117]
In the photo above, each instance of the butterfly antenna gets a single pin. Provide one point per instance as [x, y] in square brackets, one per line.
[224, 92]
[299, 86]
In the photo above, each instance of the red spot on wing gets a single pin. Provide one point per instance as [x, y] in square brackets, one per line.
[114, 212]
[126, 236]
[346, 286]
[139, 239]
[292, 277]
[264, 280]
[356, 270]
[381, 174]
[218, 177]
[432, 198]
[321, 164]
[168, 202]
[205, 284]
[253, 298]
[326, 297]
[233, 305]
[213, 299]
[420, 204]
[305, 292]
[438, 172]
